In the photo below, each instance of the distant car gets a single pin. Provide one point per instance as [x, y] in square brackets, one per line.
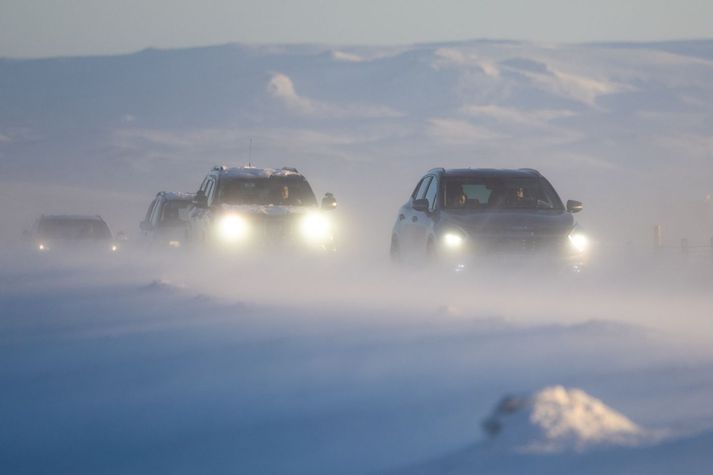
[53, 233]
[466, 216]
[166, 219]
[246, 208]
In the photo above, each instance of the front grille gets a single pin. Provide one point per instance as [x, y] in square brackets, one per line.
[521, 242]
[273, 229]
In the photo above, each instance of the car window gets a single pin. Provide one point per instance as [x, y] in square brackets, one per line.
[204, 184]
[156, 212]
[209, 191]
[170, 213]
[418, 186]
[499, 192]
[432, 193]
[424, 186]
[147, 218]
[73, 228]
[279, 191]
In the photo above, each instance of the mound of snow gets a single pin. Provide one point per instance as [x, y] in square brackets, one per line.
[557, 419]
[346, 57]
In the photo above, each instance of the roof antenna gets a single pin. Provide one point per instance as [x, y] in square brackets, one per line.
[250, 153]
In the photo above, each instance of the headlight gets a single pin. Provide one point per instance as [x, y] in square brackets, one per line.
[579, 241]
[316, 228]
[232, 228]
[42, 247]
[453, 240]
[114, 248]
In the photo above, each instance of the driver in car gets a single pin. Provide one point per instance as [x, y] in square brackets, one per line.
[285, 198]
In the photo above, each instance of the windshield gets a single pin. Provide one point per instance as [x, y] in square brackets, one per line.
[170, 214]
[72, 228]
[271, 191]
[504, 192]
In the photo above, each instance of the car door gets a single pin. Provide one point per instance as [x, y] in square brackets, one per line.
[422, 221]
[411, 217]
[146, 223]
[205, 215]
[155, 219]
[401, 228]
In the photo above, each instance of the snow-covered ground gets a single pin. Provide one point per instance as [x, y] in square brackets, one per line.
[148, 362]
[134, 366]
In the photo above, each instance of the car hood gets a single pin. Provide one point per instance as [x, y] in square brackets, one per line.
[267, 210]
[511, 222]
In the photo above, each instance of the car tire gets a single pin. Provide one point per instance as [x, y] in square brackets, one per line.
[430, 257]
[395, 251]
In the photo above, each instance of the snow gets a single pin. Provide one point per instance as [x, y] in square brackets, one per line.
[254, 172]
[558, 419]
[177, 195]
[144, 362]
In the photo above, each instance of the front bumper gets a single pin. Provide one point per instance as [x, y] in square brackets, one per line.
[511, 254]
[246, 233]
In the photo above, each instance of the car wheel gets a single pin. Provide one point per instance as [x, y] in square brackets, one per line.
[430, 252]
[395, 250]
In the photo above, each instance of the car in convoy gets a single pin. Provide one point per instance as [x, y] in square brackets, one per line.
[466, 217]
[166, 218]
[247, 208]
[60, 233]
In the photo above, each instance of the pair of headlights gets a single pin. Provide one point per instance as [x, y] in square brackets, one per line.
[44, 247]
[577, 240]
[313, 228]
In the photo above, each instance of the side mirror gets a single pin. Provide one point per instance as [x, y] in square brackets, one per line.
[201, 200]
[121, 236]
[420, 205]
[574, 206]
[329, 202]
[145, 226]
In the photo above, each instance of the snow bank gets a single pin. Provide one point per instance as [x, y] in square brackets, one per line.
[558, 419]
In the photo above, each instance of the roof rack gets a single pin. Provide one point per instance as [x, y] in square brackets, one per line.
[218, 168]
[438, 169]
[290, 169]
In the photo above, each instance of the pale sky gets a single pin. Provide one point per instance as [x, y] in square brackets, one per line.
[40, 28]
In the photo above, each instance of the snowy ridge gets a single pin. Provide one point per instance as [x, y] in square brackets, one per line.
[557, 419]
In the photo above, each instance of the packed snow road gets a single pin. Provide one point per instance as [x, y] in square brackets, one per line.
[170, 365]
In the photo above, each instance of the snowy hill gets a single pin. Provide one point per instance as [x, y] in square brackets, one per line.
[630, 118]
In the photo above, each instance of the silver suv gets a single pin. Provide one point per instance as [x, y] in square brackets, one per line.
[245, 208]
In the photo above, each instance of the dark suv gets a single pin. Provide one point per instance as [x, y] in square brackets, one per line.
[248, 207]
[462, 216]
[85, 233]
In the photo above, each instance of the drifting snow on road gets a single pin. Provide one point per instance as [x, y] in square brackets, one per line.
[142, 365]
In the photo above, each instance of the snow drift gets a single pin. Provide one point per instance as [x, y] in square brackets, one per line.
[557, 419]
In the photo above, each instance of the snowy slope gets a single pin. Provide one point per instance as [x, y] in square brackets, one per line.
[631, 118]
